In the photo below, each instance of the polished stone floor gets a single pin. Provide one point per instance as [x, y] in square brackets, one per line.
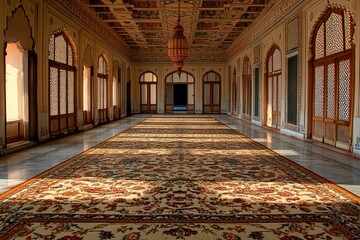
[339, 168]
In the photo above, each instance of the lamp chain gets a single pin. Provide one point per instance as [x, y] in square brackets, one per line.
[178, 12]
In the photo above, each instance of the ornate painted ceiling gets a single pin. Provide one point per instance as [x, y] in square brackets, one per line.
[211, 26]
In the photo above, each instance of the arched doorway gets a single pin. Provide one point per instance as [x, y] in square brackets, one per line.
[61, 84]
[20, 96]
[333, 80]
[148, 92]
[246, 89]
[211, 92]
[273, 88]
[180, 92]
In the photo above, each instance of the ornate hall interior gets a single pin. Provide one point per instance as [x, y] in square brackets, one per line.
[285, 74]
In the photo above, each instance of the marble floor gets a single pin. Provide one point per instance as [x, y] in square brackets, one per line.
[339, 168]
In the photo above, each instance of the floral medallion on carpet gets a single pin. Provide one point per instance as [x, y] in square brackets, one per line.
[179, 178]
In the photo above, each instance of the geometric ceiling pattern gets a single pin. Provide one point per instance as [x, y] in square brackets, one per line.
[210, 26]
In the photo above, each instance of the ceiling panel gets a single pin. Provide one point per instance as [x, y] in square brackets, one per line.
[209, 25]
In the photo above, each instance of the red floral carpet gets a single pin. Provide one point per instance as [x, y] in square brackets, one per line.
[179, 178]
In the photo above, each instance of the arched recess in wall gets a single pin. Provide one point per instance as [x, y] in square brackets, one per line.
[62, 82]
[88, 86]
[116, 89]
[211, 92]
[273, 83]
[234, 93]
[180, 92]
[332, 80]
[20, 99]
[148, 92]
[102, 89]
[246, 89]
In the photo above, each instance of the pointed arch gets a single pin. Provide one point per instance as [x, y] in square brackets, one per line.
[62, 79]
[211, 92]
[88, 85]
[24, 34]
[103, 83]
[331, 97]
[273, 78]
[19, 100]
[88, 56]
[148, 92]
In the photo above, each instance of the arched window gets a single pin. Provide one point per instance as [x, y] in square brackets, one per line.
[274, 79]
[180, 92]
[19, 86]
[246, 89]
[102, 76]
[211, 92]
[234, 93]
[148, 92]
[61, 84]
[332, 78]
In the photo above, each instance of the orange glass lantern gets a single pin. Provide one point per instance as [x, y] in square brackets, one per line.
[178, 47]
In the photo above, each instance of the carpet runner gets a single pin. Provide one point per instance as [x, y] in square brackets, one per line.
[179, 178]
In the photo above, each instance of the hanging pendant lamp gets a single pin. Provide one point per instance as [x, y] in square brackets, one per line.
[178, 47]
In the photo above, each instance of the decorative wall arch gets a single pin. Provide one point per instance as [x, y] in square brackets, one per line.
[211, 92]
[148, 92]
[175, 86]
[88, 60]
[62, 82]
[106, 70]
[88, 85]
[331, 78]
[273, 83]
[102, 88]
[324, 14]
[24, 34]
[69, 41]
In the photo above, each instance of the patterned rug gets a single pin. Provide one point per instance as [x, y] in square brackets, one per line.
[179, 178]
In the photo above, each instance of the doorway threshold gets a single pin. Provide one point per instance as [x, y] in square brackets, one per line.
[179, 108]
